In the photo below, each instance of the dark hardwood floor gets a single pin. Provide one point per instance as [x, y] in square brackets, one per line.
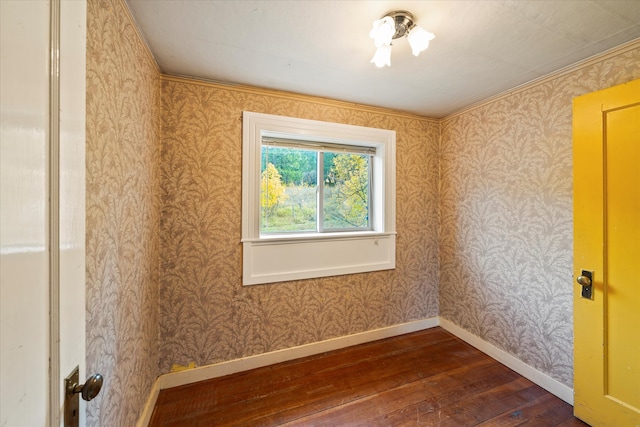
[427, 378]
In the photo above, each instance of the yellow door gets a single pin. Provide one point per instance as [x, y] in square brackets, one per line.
[606, 171]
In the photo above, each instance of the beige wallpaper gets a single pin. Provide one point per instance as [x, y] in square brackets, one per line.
[506, 205]
[486, 245]
[123, 214]
[206, 315]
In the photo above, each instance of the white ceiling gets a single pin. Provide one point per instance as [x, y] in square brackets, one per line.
[322, 48]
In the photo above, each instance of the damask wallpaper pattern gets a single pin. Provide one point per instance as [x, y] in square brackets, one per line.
[506, 216]
[123, 214]
[206, 315]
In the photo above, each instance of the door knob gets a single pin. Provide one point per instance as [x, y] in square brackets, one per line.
[89, 389]
[584, 280]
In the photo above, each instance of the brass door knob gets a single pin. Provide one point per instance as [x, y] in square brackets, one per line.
[584, 281]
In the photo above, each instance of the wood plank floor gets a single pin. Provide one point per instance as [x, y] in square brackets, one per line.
[427, 378]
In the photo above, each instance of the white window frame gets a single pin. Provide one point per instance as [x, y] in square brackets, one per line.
[273, 258]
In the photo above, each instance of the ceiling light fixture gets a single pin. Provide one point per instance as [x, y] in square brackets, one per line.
[393, 25]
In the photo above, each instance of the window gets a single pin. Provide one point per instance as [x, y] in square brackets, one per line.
[318, 199]
[314, 187]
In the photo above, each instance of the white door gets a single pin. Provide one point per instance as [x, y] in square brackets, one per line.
[42, 210]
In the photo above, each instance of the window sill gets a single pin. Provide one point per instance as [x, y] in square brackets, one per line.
[303, 237]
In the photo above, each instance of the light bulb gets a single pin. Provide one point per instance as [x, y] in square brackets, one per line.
[383, 31]
[382, 56]
[419, 39]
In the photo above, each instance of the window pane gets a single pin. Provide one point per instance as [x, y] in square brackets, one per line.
[288, 190]
[346, 191]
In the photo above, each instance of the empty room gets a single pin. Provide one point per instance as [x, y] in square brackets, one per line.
[318, 212]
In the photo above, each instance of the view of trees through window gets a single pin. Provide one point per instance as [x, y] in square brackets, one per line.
[289, 189]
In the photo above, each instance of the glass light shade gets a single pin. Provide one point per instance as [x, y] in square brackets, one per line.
[383, 31]
[382, 56]
[419, 39]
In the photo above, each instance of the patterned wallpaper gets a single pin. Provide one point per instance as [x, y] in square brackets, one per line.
[163, 226]
[206, 315]
[123, 214]
[506, 207]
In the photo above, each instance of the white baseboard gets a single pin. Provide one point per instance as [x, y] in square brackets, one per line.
[189, 376]
[147, 411]
[543, 380]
